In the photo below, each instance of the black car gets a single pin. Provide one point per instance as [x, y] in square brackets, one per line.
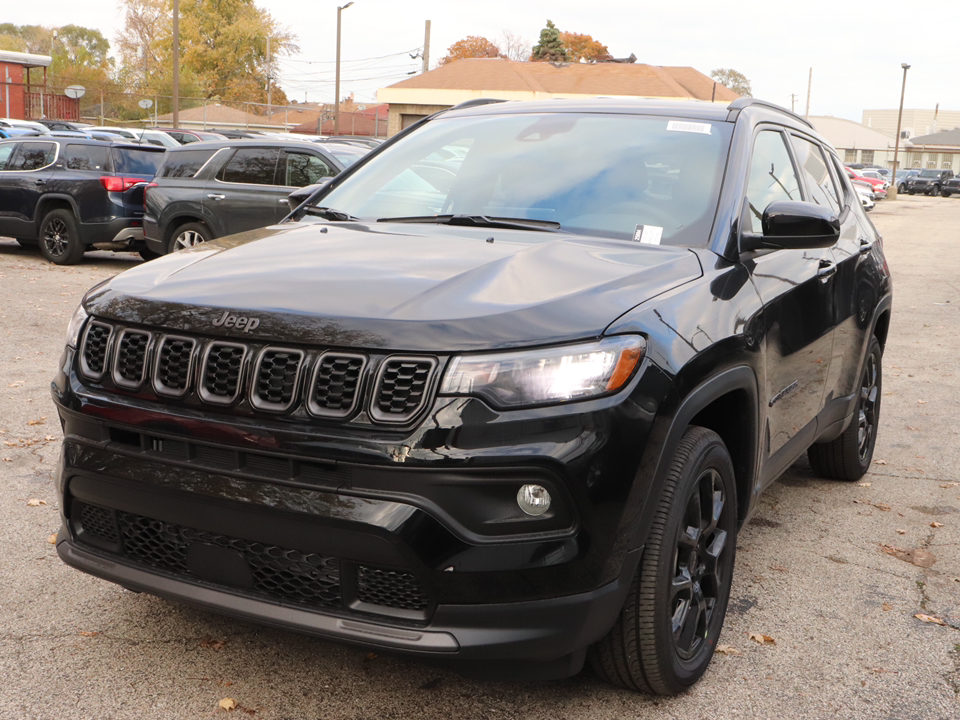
[208, 190]
[951, 186]
[927, 181]
[513, 422]
[69, 193]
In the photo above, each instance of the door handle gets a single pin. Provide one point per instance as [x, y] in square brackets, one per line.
[216, 196]
[39, 182]
[827, 270]
[283, 201]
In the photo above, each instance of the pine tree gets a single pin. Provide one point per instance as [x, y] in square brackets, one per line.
[550, 48]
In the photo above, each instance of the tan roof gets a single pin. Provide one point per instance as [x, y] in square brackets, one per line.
[636, 79]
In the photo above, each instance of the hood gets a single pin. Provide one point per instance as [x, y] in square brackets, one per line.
[418, 287]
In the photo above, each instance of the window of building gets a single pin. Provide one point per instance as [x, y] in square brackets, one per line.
[866, 157]
[849, 156]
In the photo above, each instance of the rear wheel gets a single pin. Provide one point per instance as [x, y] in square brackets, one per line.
[60, 239]
[667, 631]
[848, 457]
[188, 235]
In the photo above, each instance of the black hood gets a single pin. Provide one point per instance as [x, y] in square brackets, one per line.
[398, 287]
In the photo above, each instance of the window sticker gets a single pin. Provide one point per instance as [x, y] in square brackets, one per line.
[691, 127]
[648, 234]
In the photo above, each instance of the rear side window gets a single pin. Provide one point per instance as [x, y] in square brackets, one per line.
[304, 169]
[251, 166]
[131, 161]
[33, 156]
[814, 169]
[185, 164]
[86, 157]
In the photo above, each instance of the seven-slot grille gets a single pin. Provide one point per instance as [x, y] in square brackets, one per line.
[330, 384]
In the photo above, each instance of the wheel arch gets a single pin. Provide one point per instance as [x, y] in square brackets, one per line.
[51, 202]
[179, 221]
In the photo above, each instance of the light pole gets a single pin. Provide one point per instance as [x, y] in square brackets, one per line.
[336, 90]
[892, 192]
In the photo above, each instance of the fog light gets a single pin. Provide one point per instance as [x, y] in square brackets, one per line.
[533, 499]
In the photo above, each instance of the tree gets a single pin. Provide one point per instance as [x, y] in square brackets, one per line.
[472, 46]
[550, 48]
[583, 47]
[514, 47]
[734, 80]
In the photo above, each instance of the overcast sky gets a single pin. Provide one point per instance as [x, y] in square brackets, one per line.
[847, 44]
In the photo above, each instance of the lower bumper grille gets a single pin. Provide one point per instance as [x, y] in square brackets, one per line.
[270, 571]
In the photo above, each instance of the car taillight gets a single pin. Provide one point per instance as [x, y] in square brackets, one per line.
[148, 186]
[112, 183]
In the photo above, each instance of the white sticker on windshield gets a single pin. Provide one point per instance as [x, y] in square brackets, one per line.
[694, 127]
[648, 234]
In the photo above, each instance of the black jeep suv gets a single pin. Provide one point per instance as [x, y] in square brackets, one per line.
[512, 419]
[68, 194]
[928, 182]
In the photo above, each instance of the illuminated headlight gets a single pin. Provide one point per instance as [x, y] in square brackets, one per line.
[75, 325]
[546, 375]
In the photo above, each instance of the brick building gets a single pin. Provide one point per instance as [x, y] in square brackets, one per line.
[18, 85]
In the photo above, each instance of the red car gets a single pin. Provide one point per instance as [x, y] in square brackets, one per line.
[879, 191]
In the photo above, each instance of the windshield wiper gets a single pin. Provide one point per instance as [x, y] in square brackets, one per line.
[479, 221]
[328, 213]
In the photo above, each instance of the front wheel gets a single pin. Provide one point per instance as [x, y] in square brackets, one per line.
[848, 457]
[667, 631]
[60, 239]
[188, 235]
[945, 193]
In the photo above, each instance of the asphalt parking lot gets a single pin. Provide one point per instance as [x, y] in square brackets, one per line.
[835, 574]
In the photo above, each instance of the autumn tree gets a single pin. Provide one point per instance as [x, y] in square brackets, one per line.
[734, 80]
[583, 47]
[550, 48]
[472, 46]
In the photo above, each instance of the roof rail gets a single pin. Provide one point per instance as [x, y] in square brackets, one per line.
[475, 102]
[740, 103]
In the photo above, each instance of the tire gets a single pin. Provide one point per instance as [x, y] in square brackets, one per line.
[944, 193]
[60, 239]
[147, 254]
[901, 188]
[643, 651]
[188, 235]
[848, 457]
[911, 192]
[934, 191]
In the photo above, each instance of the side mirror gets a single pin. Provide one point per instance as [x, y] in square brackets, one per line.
[792, 225]
[295, 198]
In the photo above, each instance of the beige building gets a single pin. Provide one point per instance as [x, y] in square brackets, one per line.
[463, 80]
[939, 150]
[857, 143]
[915, 121]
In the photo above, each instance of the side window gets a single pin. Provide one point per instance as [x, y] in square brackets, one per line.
[33, 156]
[772, 176]
[6, 150]
[184, 164]
[252, 166]
[813, 166]
[86, 157]
[304, 169]
[843, 180]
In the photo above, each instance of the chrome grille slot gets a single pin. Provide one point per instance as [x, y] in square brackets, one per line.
[174, 365]
[130, 359]
[402, 388]
[276, 379]
[96, 343]
[222, 372]
[334, 388]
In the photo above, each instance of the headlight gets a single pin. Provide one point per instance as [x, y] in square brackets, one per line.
[75, 325]
[546, 375]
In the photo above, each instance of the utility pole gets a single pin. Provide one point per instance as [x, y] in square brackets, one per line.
[269, 73]
[176, 64]
[806, 115]
[336, 92]
[892, 190]
[426, 46]
[793, 102]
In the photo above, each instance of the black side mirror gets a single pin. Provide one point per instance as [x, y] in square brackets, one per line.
[788, 224]
[295, 198]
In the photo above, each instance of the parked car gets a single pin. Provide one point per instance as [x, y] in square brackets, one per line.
[207, 191]
[928, 181]
[63, 125]
[10, 132]
[67, 194]
[27, 124]
[951, 186]
[902, 176]
[515, 423]
[865, 191]
[879, 189]
[874, 174]
[185, 137]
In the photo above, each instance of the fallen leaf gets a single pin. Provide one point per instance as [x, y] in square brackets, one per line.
[36, 502]
[880, 462]
[7, 460]
[864, 484]
[911, 427]
[778, 568]
[728, 650]
[936, 524]
[901, 532]
[371, 656]
[52, 539]
[212, 644]
[94, 633]
[8, 443]
[947, 486]
[228, 704]
[915, 556]
[929, 619]
[922, 402]
[41, 421]
[762, 639]
[887, 607]
[50, 437]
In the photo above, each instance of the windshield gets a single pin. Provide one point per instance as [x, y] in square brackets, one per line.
[930, 173]
[596, 174]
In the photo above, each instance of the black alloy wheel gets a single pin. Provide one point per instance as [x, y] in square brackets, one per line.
[59, 238]
[667, 631]
[848, 457]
